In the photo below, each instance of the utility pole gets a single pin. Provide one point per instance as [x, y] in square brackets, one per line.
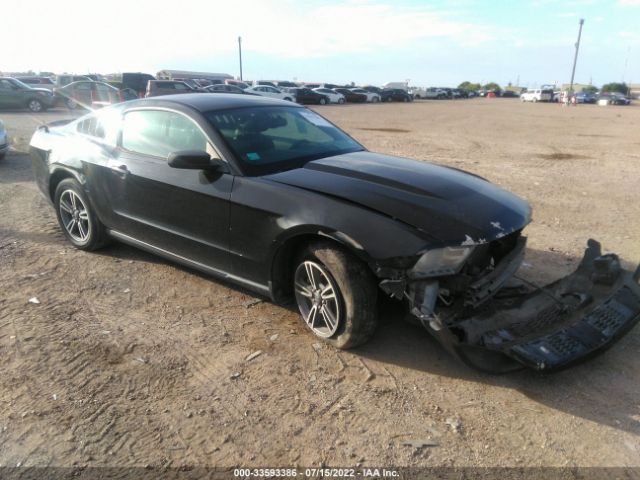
[575, 59]
[240, 55]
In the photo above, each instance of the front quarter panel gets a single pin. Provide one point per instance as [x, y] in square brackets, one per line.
[266, 214]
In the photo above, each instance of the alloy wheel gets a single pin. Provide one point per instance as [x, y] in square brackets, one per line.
[317, 298]
[35, 106]
[75, 216]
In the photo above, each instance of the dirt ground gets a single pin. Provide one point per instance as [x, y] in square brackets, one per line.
[130, 360]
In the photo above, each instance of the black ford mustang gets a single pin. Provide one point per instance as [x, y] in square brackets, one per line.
[272, 196]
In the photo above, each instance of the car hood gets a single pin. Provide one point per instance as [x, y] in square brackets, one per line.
[449, 205]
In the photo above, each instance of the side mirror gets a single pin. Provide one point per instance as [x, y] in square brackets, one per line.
[196, 160]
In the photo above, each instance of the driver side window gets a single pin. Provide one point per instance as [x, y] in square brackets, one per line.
[159, 133]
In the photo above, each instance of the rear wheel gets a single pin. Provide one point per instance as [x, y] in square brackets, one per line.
[71, 104]
[336, 295]
[76, 217]
[35, 105]
[323, 101]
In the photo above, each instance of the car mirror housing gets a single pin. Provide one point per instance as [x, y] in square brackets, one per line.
[195, 160]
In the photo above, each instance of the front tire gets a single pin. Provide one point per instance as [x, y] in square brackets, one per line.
[71, 104]
[323, 101]
[341, 101]
[336, 295]
[76, 217]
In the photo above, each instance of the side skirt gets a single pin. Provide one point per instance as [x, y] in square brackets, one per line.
[134, 242]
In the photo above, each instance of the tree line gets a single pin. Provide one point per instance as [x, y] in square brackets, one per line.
[620, 87]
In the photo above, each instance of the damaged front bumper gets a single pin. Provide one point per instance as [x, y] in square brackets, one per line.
[497, 328]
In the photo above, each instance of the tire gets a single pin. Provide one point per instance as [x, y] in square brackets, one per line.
[71, 104]
[341, 101]
[535, 100]
[353, 306]
[35, 105]
[322, 101]
[375, 100]
[2, 155]
[406, 99]
[73, 206]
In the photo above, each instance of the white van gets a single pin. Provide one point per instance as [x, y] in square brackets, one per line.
[537, 95]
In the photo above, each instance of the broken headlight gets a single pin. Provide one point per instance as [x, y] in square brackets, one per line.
[440, 261]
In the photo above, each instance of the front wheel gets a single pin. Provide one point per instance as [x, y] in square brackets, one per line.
[341, 101]
[76, 217]
[323, 101]
[336, 295]
[71, 104]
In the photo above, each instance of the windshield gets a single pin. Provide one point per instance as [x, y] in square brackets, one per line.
[270, 139]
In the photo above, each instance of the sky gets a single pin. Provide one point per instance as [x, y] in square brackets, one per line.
[428, 43]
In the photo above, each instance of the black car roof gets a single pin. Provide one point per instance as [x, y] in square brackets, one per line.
[207, 102]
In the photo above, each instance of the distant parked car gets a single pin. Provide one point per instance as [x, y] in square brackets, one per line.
[435, 93]
[613, 98]
[306, 96]
[585, 97]
[38, 82]
[371, 88]
[417, 92]
[191, 82]
[351, 96]
[268, 91]
[372, 97]
[267, 83]
[537, 95]
[156, 88]
[224, 88]
[395, 95]
[237, 83]
[4, 141]
[92, 95]
[286, 83]
[62, 80]
[137, 82]
[15, 94]
[334, 97]
[509, 94]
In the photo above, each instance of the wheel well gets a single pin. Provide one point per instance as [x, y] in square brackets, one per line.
[56, 178]
[283, 263]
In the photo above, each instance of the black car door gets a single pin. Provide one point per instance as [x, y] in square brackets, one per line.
[184, 212]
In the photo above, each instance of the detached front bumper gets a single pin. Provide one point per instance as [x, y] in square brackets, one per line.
[551, 328]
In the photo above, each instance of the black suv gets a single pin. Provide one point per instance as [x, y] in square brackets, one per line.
[395, 95]
[305, 95]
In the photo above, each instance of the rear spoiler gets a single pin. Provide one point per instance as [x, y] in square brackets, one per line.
[57, 123]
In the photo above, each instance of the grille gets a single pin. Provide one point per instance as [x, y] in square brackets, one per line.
[563, 345]
[544, 319]
[612, 314]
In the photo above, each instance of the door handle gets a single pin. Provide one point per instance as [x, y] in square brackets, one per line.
[121, 170]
